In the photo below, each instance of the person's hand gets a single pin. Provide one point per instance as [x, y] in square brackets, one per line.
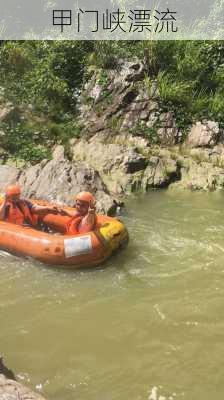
[62, 212]
[6, 197]
[49, 210]
[54, 210]
[92, 207]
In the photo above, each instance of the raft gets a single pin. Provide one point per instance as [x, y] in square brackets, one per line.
[58, 249]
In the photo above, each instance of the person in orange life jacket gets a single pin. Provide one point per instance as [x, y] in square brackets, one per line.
[20, 211]
[83, 219]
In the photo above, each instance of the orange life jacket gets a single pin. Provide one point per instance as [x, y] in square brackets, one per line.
[21, 214]
[72, 227]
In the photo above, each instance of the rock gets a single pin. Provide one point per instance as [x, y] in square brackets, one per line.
[95, 93]
[124, 102]
[58, 153]
[129, 71]
[112, 92]
[133, 162]
[216, 155]
[140, 112]
[199, 176]
[100, 156]
[127, 102]
[8, 176]
[129, 140]
[160, 173]
[204, 134]
[118, 103]
[59, 180]
[152, 120]
[5, 371]
[144, 114]
[168, 132]
[12, 390]
[115, 162]
[106, 204]
[167, 136]
[123, 168]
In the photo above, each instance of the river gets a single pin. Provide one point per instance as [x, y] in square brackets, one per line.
[148, 325]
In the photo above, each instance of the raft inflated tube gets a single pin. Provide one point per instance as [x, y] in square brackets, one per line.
[83, 250]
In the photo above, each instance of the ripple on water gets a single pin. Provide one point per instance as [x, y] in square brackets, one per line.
[146, 325]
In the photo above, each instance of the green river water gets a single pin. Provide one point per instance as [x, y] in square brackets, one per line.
[148, 325]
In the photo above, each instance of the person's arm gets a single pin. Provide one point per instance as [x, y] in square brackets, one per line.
[3, 209]
[87, 223]
[42, 210]
[66, 213]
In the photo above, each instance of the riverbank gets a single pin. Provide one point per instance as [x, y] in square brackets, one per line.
[127, 143]
[112, 171]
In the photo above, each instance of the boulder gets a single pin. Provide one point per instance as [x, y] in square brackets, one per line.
[133, 161]
[59, 180]
[8, 176]
[101, 156]
[123, 167]
[160, 172]
[12, 390]
[4, 370]
[204, 134]
[199, 176]
[116, 163]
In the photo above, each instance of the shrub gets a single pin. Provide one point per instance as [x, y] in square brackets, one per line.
[172, 91]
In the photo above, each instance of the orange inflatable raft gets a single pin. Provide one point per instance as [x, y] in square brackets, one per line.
[59, 249]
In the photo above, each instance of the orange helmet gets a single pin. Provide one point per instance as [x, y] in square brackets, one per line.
[13, 190]
[85, 196]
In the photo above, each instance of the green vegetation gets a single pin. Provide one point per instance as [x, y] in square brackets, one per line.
[44, 78]
[149, 133]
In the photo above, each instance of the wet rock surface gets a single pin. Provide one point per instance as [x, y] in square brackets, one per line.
[4, 370]
[10, 389]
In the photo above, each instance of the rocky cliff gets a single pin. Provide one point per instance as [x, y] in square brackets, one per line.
[128, 143]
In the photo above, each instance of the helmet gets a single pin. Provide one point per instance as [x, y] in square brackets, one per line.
[85, 196]
[13, 190]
